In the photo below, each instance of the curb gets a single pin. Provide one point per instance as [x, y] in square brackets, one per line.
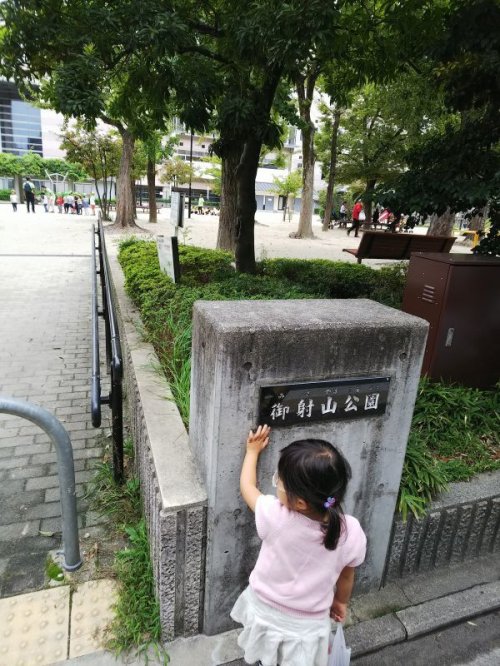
[425, 618]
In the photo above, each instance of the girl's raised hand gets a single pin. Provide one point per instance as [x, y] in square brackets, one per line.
[258, 440]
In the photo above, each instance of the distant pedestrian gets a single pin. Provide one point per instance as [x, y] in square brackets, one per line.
[45, 201]
[78, 205]
[52, 198]
[356, 218]
[394, 222]
[375, 216]
[59, 203]
[201, 203]
[384, 216]
[66, 203]
[13, 200]
[304, 573]
[29, 193]
[71, 202]
[92, 202]
[343, 214]
[85, 204]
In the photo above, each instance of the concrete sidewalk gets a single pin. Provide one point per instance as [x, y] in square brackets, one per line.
[46, 627]
[393, 619]
[45, 358]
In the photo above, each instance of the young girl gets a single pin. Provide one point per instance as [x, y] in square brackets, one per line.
[305, 570]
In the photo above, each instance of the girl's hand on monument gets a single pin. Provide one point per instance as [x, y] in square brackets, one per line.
[258, 440]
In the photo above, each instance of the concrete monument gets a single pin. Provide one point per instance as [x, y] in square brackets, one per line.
[342, 370]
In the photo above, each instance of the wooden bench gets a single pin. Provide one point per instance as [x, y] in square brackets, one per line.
[384, 245]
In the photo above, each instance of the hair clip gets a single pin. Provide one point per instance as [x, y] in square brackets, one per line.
[329, 502]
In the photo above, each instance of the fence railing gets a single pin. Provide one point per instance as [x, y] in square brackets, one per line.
[114, 360]
[66, 471]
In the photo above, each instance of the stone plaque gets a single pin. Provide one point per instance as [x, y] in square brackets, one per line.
[168, 256]
[177, 209]
[331, 400]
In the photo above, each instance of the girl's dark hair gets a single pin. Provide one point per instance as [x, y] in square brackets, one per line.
[315, 471]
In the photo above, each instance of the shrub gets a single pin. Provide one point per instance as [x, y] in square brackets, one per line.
[5, 195]
[453, 430]
[200, 266]
[320, 277]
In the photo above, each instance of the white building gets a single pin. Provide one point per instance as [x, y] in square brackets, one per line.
[25, 128]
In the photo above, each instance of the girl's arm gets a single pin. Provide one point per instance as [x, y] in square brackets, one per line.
[343, 591]
[256, 443]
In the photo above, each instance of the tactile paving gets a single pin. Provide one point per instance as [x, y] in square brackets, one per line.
[34, 628]
[91, 612]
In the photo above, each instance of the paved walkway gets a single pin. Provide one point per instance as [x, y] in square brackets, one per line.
[45, 358]
[272, 237]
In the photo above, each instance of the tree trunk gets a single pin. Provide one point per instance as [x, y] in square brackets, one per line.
[125, 205]
[333, 170]
[246, 206]
[305, 92]
[133, 195]
[151, 175]
[368, 203]
[226, 235]
[442, 225]
[477, 220]
[246, 174]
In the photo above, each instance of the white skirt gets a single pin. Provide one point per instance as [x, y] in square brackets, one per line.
[275, 638]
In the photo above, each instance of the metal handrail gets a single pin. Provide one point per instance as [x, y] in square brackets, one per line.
[66, 472]
[95, 389]
[114, 360]
[116, 349]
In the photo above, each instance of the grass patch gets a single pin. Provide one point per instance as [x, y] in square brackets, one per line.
[460, 426]
[53, 570]
[455, 430]
[136, 625]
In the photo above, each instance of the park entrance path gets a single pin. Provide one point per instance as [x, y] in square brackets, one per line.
[45, 358]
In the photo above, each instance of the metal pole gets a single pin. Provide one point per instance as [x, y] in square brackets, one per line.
[95, 393]
[102, 272]
[66, 471]
[190, 173]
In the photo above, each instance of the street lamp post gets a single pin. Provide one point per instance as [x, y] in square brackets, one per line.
[190, 173]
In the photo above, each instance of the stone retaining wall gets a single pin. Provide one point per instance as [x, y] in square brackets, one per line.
[173, 496]
[464, 523]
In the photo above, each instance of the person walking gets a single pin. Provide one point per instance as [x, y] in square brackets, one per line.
[52, 199]
[85, 204]
[304, 573]
[59, 203]
[201, 203]
[92, 202]
[45, 201]
[356, 218]
[78, 205]
[13, 200]
[29, 193]
[343, 214]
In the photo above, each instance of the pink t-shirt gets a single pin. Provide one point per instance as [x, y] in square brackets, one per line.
[294, 571]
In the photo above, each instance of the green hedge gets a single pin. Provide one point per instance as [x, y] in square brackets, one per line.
[453, 431]
[5, 195]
